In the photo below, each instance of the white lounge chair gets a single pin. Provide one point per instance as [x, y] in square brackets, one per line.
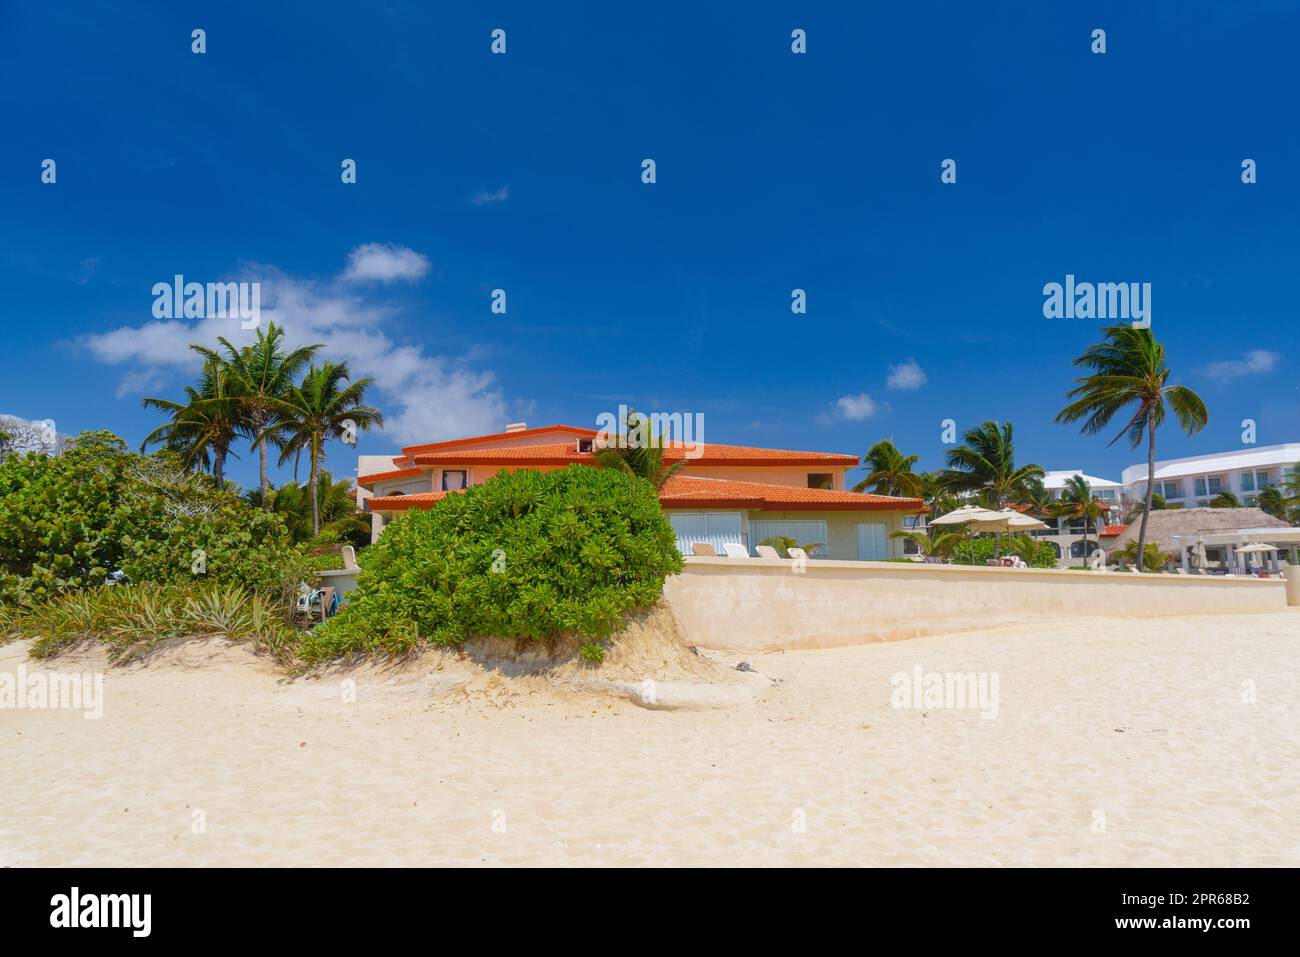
[703, 549]
[735, 550]
[766, 551]
[797, 553]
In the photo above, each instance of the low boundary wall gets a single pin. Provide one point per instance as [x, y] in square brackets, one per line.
[761, 604]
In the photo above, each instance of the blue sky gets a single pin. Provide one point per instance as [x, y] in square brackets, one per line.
[774, 171]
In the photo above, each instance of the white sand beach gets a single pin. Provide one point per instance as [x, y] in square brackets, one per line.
[1115, 743]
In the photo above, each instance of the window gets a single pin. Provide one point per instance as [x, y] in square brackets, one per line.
[1248, 481]
[712, 528]
[453, 480]
[1211, 485]
[805, 533]
[1076, 549]
[821, 480]
[1169, 489]
[585, 445]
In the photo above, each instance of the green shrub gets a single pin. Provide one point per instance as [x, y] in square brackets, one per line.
[71, 521]
[525, 555]
[978, 551]
[593, 652]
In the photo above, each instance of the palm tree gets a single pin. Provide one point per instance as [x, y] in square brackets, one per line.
[1128, 370]
[940, 546]
[320, 409]
[641, 459]
[336, 504]
[1038, 497]
[986, 465]
[1225, 499]
[1274, 503]
[938, 498]
[203, 427]
[1077, 502]
[264, 373]
[891, 472]
[1150, 556]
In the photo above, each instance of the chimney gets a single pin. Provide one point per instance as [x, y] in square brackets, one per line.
[516, 426]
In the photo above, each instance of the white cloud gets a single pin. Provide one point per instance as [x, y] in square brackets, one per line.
[1254, 362]
[483, 197]
[855, 408]
[384, 262]
[424, 397]
[906, 376]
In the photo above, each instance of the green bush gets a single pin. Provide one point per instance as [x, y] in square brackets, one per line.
[525, 555]
[130, 619]
[978, 551]
[70, 521]
[592, 651]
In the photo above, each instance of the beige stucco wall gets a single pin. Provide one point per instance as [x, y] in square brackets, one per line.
[761, 604]
[796, 476]
[841, 526]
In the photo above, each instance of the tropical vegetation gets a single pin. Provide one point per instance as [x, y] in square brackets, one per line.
[1128, 377]
[524, 555]
[984, 466]
[639, 452]
[891, 472]
[1078, 504]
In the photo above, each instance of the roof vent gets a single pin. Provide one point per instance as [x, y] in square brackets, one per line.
[516, 426]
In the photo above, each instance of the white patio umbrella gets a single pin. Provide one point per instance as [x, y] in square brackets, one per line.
[965, 514]
[979, 519]
[1008, 520]
[1256, 548]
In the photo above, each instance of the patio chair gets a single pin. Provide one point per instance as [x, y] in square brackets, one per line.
[326, 603]
[797, 553]
[766, 551]
[703, 549]
[735, 550]
[349, 557]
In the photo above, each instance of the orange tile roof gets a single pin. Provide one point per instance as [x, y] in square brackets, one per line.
[710, 453]
[384, 476]
[1113, 529]
[400, 503]
[683, 491]
[455, 443]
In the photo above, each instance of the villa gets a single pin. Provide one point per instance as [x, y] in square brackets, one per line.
[723, 494]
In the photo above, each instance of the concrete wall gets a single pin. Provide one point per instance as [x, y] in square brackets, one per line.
[760, 604]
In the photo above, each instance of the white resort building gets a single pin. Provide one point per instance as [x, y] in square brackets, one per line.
[1194, 481]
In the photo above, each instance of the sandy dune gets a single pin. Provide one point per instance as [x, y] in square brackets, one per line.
[1114, 743]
